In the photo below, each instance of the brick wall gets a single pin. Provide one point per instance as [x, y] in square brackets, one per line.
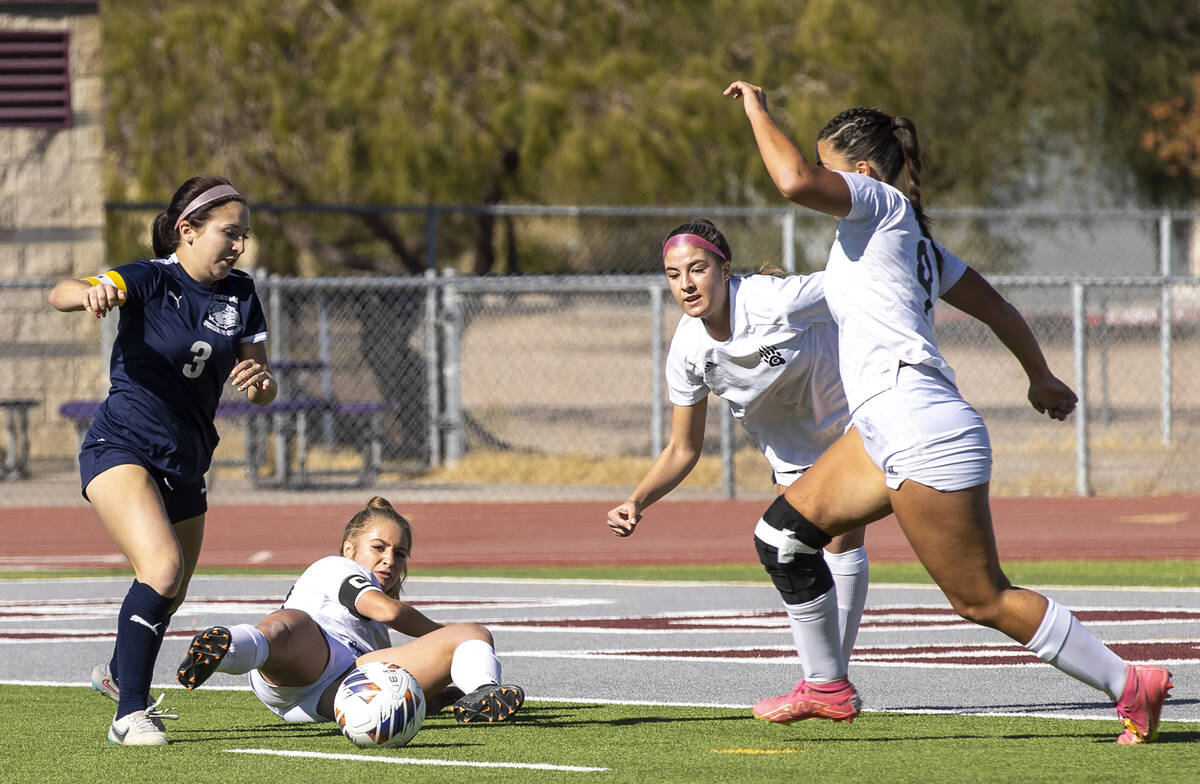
[51, 227]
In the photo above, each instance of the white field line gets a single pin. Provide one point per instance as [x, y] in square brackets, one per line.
[526, 627]
[1050, 713]
[215, 574]
[412, 761]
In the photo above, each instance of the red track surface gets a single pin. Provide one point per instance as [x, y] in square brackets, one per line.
[513, 533]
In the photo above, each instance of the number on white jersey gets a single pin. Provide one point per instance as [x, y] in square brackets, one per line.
[925, 273]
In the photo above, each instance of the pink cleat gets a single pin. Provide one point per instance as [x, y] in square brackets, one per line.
[836, 700]
[1146, 686]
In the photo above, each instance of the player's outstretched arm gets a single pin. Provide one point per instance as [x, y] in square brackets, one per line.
[975, 296]
[395, 614]
[798, 180]
[73, 294]
[672, 465]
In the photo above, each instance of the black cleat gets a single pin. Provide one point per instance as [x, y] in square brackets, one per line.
[489, 703]
[203, 655]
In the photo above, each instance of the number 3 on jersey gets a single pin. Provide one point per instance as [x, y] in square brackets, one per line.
[925, 273]
[201, 351]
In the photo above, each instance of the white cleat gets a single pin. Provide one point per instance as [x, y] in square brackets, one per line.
[142, 727]
[102, 681]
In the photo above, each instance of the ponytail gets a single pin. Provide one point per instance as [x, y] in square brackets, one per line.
[378, 508]
[890, 144]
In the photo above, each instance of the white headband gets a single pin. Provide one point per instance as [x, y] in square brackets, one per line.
[208, 197]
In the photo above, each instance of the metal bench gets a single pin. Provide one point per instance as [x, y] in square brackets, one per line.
[16, 459]
[290, 421]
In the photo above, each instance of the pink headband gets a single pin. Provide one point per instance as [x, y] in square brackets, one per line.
[208, 197]
[693, 240]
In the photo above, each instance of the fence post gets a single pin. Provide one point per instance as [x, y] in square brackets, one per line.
[656, 371]
[1102, 327]
[108, 336]
[433, 365]
[431, 248]
[1079, 336]
[789, 241]
[275, 316]
[728, 480]
[279, 334]
[1164, 258]
[452, 322]
[325, 354]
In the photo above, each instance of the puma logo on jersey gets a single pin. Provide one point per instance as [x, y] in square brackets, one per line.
[175, 298]
[151, 626]
[771, 355]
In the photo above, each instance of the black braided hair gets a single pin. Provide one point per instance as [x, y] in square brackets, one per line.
[889, 143]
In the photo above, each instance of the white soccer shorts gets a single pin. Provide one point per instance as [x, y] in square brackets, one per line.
[922, 429]
[299, 703]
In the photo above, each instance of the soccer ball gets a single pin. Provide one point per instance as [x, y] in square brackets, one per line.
[379, 705]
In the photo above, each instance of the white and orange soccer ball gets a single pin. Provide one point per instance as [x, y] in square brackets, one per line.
[379, 705]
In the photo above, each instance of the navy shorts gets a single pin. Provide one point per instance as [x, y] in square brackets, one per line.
[182, 500]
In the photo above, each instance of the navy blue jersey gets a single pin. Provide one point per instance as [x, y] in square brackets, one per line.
[176, 344]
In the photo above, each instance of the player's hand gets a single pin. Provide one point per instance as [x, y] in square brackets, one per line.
[624, 518]
[101, 298]
[1052, 397]
[753, 97]
[250, 373]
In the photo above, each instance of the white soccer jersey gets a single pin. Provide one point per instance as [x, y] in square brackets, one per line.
[778, 371]
[327, 591]
[881, 283]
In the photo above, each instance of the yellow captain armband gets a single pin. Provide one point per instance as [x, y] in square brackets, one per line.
[111, 277]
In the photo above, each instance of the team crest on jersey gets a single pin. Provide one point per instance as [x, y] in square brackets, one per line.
[223, 316]
[771, 355]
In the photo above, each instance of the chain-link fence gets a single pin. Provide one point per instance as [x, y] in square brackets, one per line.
[554, 382]
[590, 240]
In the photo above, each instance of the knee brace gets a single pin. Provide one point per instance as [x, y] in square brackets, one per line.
[789, 547]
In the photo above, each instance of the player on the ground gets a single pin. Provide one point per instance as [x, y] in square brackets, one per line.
[189, 322]
[767, 345]
[883, 276]
[337, 616]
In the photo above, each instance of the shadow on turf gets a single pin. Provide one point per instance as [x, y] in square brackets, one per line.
[1166, 736]
[564, 716]
[1042, 707]
[301, 731]
[283, 731]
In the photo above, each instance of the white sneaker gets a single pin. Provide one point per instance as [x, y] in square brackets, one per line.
[142, 727]
[102, 681]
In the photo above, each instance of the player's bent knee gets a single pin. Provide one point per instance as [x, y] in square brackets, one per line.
[473, 631]
[783, 517]
[285, 625]
[984, 612]
[801, 579]
[789, 546]
[166, 579]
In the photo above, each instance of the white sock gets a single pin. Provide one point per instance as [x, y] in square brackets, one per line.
[815, 633]
[247, 651]
[851, 576]
[474, 664]
[1061, 640]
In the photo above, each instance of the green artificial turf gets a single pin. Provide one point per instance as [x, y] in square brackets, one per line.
[57, 734]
